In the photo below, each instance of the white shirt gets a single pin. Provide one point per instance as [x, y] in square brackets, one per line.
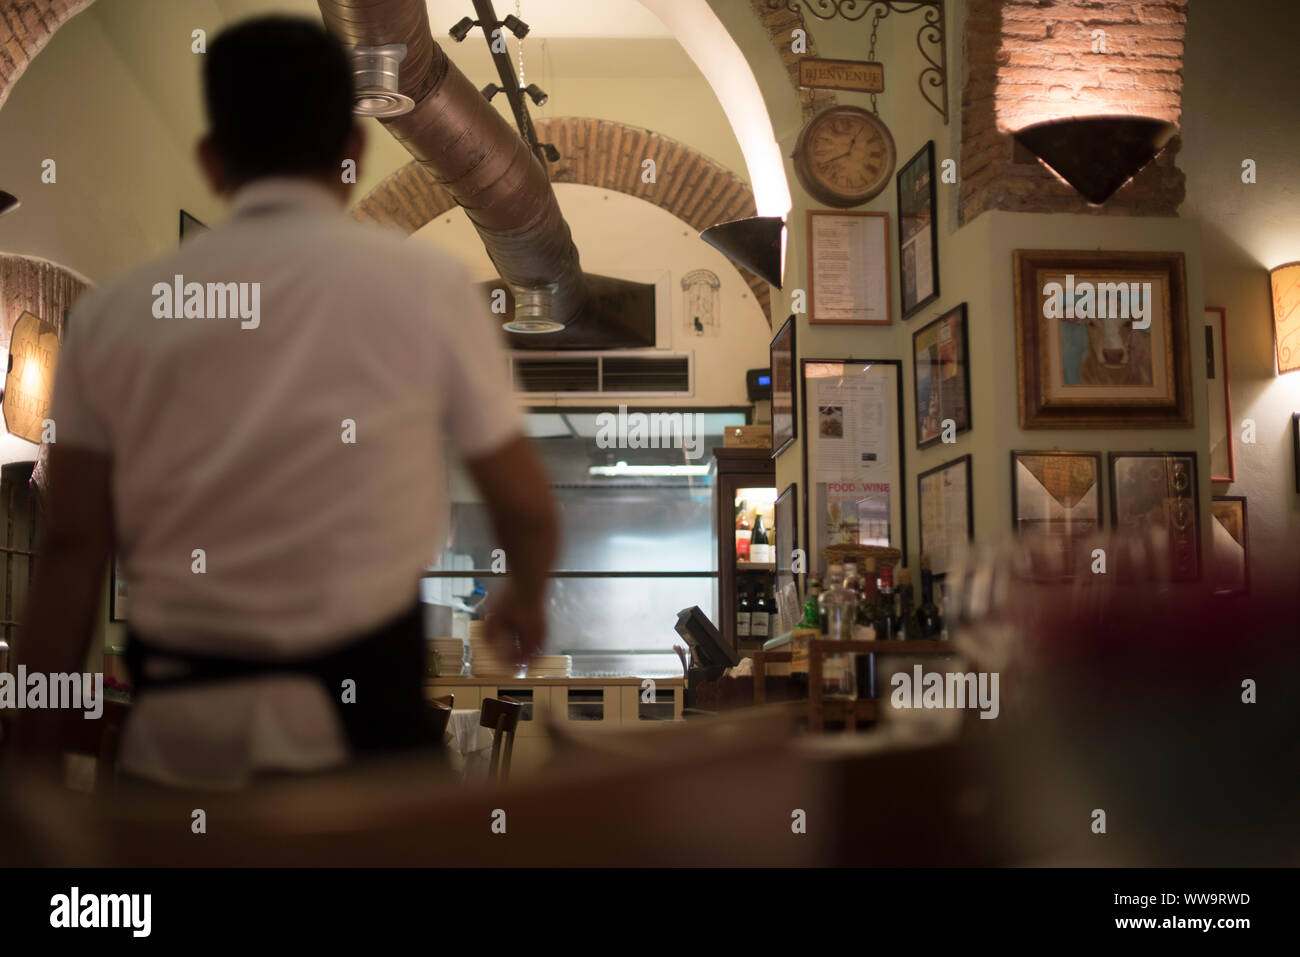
[231, 435]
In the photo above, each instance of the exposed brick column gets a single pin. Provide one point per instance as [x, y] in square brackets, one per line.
[25, 27]
[780, 23]
[1033, 60]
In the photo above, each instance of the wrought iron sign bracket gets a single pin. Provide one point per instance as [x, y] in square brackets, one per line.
[930, 35]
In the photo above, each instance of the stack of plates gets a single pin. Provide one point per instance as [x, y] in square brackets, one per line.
[451, 655]
[550, 666]
[483, 659]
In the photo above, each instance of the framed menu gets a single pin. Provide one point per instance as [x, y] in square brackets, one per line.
[848, 268]
[853, 454]
[947, 518]
[785, 427]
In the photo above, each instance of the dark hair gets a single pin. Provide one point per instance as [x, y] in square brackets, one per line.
[278, 92]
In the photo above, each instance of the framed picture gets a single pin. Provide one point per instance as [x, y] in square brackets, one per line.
[1056, 499]
[1101, 340]
[1231, 553]
[785, 424]
[119, 593]
[918, 238]
[848, 268]
[1223, 461]
[1153, 495]
[941, 376]
[853, 454]
[1295, 446]
[787, 534]
[191, 226]
[944, 504]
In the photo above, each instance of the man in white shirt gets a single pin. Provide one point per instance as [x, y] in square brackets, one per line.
[256, 425]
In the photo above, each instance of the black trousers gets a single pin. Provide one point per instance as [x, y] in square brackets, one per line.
[375, 681]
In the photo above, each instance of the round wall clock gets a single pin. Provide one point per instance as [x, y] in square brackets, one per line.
[844, 156]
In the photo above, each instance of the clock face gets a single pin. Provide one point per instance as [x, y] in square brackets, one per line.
[845, 156]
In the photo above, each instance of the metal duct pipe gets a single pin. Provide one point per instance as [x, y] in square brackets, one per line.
[472, 150]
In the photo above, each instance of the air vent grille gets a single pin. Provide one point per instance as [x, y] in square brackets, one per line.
[571, 373]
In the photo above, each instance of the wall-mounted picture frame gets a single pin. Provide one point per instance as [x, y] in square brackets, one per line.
[1102, 340]
[1056, 502]
[786, 519]
[946, 510]
[941, 376]
[1295, 447]
[918, 236]
[785, 419]
[1223, 459]
[1231, 547]
[191, 226]
[853, 455]
[848, 268]
[1153, 497]
[119, 594]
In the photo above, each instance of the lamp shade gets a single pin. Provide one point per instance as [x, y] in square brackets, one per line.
[8, 202]
[1285, 281]
[756, 244]
[1097, 154]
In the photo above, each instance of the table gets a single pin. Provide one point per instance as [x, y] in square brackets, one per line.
[469, 744]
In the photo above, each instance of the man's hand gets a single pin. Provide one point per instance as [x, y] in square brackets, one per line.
[515, 628]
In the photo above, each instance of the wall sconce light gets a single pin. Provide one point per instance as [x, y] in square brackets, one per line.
[8, 202]
[1285, 283]
[1097, 154]
[756, 244]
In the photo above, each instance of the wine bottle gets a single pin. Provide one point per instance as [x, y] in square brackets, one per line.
[927, 613]
[812, 606]
[760, 549]
[742, 531]
[906, 611]
[743, 615]
[758, 617]
[886, 616]
[773, 615]
[864, 626]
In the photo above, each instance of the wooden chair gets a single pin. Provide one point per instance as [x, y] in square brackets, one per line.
[501, 715]
[442, 713]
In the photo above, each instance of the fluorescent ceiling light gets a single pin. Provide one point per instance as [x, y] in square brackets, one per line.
[623, 470]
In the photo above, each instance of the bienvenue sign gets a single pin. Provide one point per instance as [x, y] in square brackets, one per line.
[861, 76]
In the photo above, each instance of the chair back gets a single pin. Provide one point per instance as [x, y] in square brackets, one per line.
[442, 713]
[501, 716]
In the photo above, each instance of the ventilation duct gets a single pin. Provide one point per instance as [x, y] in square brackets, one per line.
[474, 153]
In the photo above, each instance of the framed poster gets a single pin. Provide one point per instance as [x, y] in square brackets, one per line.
[1056, 500]
[853, 454]
[918, 238]
[941, 376]
[785, 426]
[119, 593]
[943, 497]
[787, 535]
[1231, 553]
[1101, 340]
[1223, 461]
[1153, 495]
[848, 268]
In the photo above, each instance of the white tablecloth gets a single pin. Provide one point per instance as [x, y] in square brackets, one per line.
[469, 744]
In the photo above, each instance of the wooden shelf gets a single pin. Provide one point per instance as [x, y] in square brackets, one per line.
[768, 567]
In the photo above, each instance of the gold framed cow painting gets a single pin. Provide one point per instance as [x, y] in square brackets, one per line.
[1102, 339]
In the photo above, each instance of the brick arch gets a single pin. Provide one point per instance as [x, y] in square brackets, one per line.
[601, 153]
[25, 27]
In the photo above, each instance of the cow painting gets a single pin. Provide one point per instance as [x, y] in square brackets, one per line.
[1117, 354]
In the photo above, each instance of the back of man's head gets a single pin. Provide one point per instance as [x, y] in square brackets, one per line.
[278, 92]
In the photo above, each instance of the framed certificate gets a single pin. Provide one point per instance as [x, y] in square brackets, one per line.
[785, 426]
[946, 512]
[848, 268]
[853, 454]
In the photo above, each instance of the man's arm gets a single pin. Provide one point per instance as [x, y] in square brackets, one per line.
[517, 492]
[65, 595]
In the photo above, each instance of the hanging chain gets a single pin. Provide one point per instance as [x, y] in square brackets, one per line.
[871, 54]
[520, 41]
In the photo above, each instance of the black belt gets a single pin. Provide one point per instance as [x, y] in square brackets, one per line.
[385, 711]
